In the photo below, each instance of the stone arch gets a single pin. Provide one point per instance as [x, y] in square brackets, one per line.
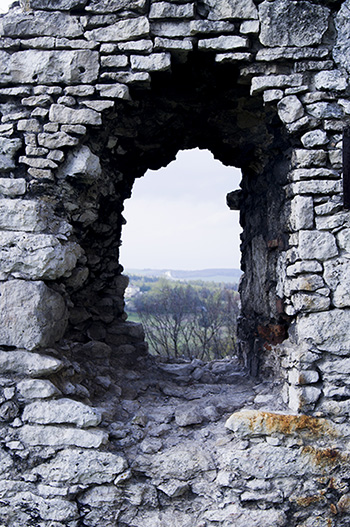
[94, 92]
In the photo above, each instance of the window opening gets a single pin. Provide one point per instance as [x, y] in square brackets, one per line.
[181, 252]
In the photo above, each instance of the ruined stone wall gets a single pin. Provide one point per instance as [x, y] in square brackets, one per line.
[92, 94]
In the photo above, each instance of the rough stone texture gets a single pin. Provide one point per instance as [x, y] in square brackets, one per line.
[288, 23]
[31, 314]
[61, 411]
[93, 93]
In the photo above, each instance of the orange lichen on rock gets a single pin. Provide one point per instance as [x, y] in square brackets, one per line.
[259, 423]
[323, 456]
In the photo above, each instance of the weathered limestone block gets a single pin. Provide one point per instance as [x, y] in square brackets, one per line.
[331, 80]
[227, 9]
[31, 314]
[25, 363]
[37, 389]
[50, 67]
[326, 331]
[58, 436]
[112, 6]
[40, 24]
[301, 397]
[341, 51]
[153, 62]
[289, 23]
[50, 510]
[61, 411]
[275, 81]
[76, 466]
[8, 149]
[22, 215]
[302, 213]
[337, 277]
[56, 140]
[314, 245]
[36, 256]
[168, 10]
[223, 43]
[324, 110]
[314, 138]
[255, 423]
[290, 109]
[55, 5]
[114, 91]
[310, 302]
[81, 163]
[181, 462]
[64, 115]
[124, 30]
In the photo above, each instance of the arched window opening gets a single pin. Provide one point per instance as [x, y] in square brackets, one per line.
[181, 252]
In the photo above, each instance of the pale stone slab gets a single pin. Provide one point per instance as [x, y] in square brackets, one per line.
[61, 411]
[21, 215]
[290, 109]
[64, 115]
[56, 140]
[54, 5]
[37, 389]
[12, 187]
[331, 80]
[8, 149]
[50, 67]
[168, 10]
[77, 466]
[337, 277]
[121, 31]
[37, 435]
[112, 6]
[255, 423]
[25, 363]
[288, 23]
[40, 24]
[302, 213]
[227, 9]
[81, 163]
[314, 245]
[153, 62]
[327, 331]
[275, 81]
[341, 50]
[36, 256]
[223, 43]
[31, 314]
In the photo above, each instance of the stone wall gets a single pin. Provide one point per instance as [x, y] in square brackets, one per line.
[92, 94]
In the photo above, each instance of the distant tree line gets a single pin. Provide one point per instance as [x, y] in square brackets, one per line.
[188, 321]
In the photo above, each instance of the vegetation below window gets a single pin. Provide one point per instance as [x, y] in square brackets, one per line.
[182, 320]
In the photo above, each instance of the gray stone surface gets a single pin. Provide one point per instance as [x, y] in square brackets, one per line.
[64, 115]
[228, 9]
[64, 411]
[317, 245]
[124, 30]
[31, 314]
[36, 256]
[25, 363]
[341, 52]
[289, 23]
[77, 466]
[61, 436]
[327, 331]
[40, 24]
[50, 67]
[37, 389]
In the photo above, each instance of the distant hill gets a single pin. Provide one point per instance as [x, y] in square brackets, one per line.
[207, 275]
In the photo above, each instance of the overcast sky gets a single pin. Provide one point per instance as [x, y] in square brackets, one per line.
[4, 5]
[178, 217]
